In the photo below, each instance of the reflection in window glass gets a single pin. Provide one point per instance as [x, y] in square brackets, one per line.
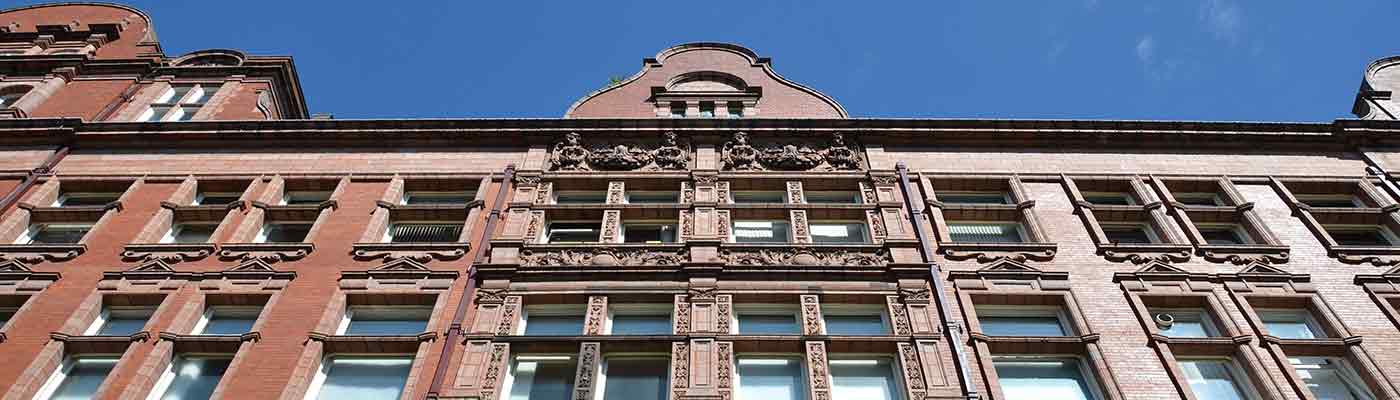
[542, 378]
[1040, 379]
[1212, 379]
[1330, 378]
[367, 378]
[769, 379]
[863, 379]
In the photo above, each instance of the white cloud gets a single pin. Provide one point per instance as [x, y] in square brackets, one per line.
[1223, 19]
[1146, 49]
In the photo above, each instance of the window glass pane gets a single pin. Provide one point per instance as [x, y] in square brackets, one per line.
[840, 232]
[854, 324]
[833, 197]
[1198, 199]
[707, 109]
[387, 320]
[207, 199]
[1059, 379]
[554, 325]
[580, 197]
[230, 321]
[653, 197]
[192, 233]
[973, 198]
[6, 314]
[760, 231]
[286, 233]
[420, 198]
[649, 233]
[1326, 200]
[1212, 379]
[83, 379]
[184, 113]
[1289, 324]
[1186, 323]
[768, 324]
[88, 199]
[635, 379]
[365, 378]
[1114, 199]
[176, 93]
[640, 324]
[736, 109]
[1226, 235]
[124, 321]
[984, 233]
[1132, 234]
[195, 378]
[769, 379]
[425, 233]
[1029, 325]
[306, 198]
[1330, 378]
[1359, 237]
[542, 380]
[677, 109]
[766, 196]
[202, 94]
[863, 379]
[155, 113]
[58, 234]
[573, 232]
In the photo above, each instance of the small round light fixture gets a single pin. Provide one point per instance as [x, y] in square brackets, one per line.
[1164, 320]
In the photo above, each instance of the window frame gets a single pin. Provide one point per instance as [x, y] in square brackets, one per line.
[1384, 231]
[602, 380]
[1020, 230]
[65, 196]
[65, 367]
[33, 230]
[548, 232]
[201, 195]
[1005, 196]
[318, 381]
[846, 197]
[1128, 196]
[1355, 200]
[840, 309]
[896, 375]
[210, 310]
[675, 230]
[106, 314]
[508, 381]
[1315, 327]
[173, 105]
[288, 197]
[865, 237]
[644, 309]
[734, 229]
[351, 309]
[1215, 198]
[734, 196]
[1090, 377]
[556, 194]
[167, 377]
[803, 375]
[1153, 237]
[1246, 387]
[766, 309]
[1033, 310]
[552, 310]
[627, 196]
[175, 229]
[263, 233]
[1238, 229]
[1347, 374]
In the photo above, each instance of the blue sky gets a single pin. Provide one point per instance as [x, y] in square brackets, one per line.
[1271, 60]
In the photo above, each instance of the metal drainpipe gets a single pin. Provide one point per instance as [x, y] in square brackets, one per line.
[950, 328]
[33, 176]
[465, 302]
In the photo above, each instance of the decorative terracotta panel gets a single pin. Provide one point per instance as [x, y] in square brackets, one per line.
[510, 316]
[899, 316]
[794, 193]
[612, 227]
[617, 192]
[588, 365]
[812, 323]
[597, 315]
[818, 376]
[799, 227]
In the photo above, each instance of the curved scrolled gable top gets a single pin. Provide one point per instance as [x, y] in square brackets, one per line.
[1376, 99]
[728, 64]
[135, 33]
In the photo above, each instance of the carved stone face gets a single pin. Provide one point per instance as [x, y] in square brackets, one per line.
[572, 139]
[838, 139]
[741, 138]
[669, 139]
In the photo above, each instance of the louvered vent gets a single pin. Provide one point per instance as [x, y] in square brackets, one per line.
[426, 233]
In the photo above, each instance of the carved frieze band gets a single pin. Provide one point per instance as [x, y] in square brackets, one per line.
[571, 154]
[603, 256]
[739, 154]
[800, 256]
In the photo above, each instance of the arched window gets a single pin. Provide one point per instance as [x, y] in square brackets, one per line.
[11, 95]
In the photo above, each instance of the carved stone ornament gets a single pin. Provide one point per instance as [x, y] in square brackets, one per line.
[807, 256]
[986, 252]
[269, 252]
[571, 154]
[420, 252]
[739, 154]
[171, 253]
[1142, 256]
[37, 253]
[603, 256]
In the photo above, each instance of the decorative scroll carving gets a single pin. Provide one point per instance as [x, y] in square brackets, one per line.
[811, 314]
[867, 194]
[510, 312]
[682, 312]
[913, 372]
[171, 253]
[915, 296]
[494, 367]
[603, 256]
[269, 252]
[490, 296]
[806, 256]
[799, 227]
[1242, 258]
[986, 253]
[724, 356]
[400, 268]
[837, 155]
[724, 305]
[899, 316]
[817, 371]
[597, 315]
[534, 226]
[571, 154]
[587, 363]
[884, 180]
[1373, 259]
[703, 295]
[420, 252]
[37, 253]
[527, 180]
[680, 365]
[1143, 257]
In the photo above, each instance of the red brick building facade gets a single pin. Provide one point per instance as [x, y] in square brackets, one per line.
[180, 227]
